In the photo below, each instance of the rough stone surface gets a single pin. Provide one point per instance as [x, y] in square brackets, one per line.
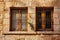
[8, 0]
[31, 4]
[32, 37]
[6, 28]
[6, 21]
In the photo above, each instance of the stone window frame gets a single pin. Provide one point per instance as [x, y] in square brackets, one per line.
[18, 8]
[52, 29]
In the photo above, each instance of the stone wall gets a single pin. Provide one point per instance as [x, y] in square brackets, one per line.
[30, 37]
[31, 4]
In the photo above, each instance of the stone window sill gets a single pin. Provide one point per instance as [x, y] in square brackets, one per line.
[32, 33]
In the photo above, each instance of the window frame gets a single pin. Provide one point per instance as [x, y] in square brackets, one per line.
[18, 8]
[43, 8]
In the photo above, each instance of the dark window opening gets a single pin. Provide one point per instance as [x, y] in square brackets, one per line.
[18, 19]
[44, 18]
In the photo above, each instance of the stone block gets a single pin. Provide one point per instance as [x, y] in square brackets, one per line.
[56, 28]
[7, 15]
[10, 37]
[1, 38]
[1, 28]
[1, 15]
[44, 3]
[48, 37]
[6, 21]
[17, 37]
[1, 21]
[31, 18]
[56, 21]
[1, 6]
[31, 10]
[56, 37]
[1, 0]
[1, 33]
[16, 0]
[6, 28]
[8, 5]
[55, 13]
[59, 13]
[28, 37]
[20, 0]
[57, 4]
[19, 4]
[7, 0]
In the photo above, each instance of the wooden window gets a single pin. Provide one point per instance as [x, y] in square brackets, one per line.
[44, 18]
[18, 19]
